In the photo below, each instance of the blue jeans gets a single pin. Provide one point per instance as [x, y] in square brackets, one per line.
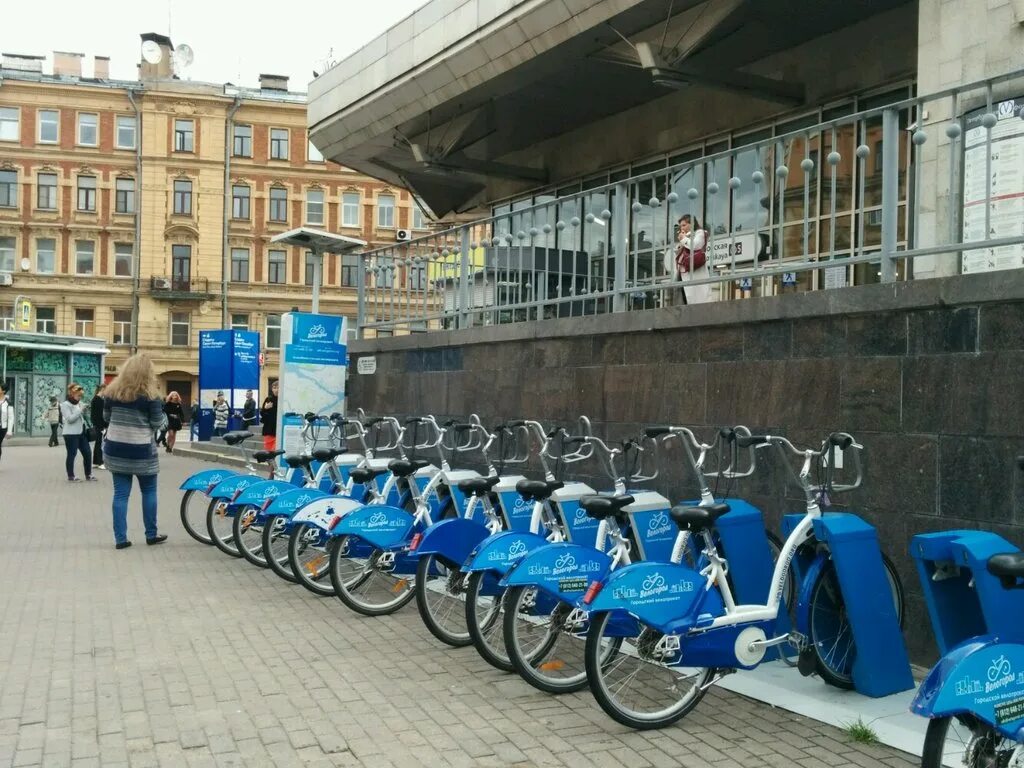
[122, 490]
[74, 444]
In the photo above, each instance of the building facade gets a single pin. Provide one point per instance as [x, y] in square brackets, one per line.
[141, 212]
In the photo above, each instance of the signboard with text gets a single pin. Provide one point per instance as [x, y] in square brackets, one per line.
[228, 363]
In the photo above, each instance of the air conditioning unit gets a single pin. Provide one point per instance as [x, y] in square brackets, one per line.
[403, 235]
[161, 284]
[6, 278]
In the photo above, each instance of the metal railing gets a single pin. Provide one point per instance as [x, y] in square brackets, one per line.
[885, 194]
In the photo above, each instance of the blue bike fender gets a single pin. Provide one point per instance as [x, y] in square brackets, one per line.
[322, 510]
[503, 550]
[289, 501]
[382, 526]
[452, 539]
[260, 493]
[981, 676]
[658, 594]
[205, 480]
[563, 570]
[229, 487]
[803, 595]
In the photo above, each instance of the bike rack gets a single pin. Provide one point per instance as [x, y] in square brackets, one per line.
[964, 600]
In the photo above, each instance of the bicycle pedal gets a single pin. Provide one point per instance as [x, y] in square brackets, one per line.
[806, 662]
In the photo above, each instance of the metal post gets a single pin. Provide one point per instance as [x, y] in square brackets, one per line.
[318, 264]
[360, 296]
[890, 192]
[620, 225]
[464, 314]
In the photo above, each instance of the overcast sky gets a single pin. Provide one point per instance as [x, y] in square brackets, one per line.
[233, 41]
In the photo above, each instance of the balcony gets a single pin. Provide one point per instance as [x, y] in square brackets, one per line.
[180, 288]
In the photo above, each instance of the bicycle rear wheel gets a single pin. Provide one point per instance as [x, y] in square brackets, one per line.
[193, 515]
[635, 686]
[485, 618]
[310, 560]
[950, 740]
[440, 596]
[220, 526]
[830, 633]
[364, 578]
[275, 547]
[248, 536]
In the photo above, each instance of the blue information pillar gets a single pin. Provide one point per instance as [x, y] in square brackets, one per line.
[228, 363]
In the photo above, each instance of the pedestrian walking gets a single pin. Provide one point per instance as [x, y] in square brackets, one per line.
[73, 415]
[133, 411]
[99, 426]
[53, 419]
[175, 417]
[268, 415]
[221, 413]
[249, 415]
[6, 418]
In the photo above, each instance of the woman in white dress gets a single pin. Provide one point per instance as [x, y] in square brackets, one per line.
[692, 260]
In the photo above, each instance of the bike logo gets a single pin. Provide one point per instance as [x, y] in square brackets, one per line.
[565, 562]
[317, 331]
[521, 506]
[654, 584]
[659, 524]
[271, 492]
[1000, 674]
[303, 499]
[215, 479]
[518, 549]
[582, 518]
[377, 519]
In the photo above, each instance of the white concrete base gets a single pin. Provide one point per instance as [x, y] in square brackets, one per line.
[781, 686]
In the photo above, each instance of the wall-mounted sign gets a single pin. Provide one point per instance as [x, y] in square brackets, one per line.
[367, 365]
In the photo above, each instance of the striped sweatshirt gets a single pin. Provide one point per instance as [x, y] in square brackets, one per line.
[130, 447]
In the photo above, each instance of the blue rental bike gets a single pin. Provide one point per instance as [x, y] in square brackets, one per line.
[974, 587]
[675, 630]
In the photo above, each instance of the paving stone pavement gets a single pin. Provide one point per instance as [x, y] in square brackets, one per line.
[179, 656]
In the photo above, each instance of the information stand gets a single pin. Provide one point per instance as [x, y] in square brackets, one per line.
[228, 363]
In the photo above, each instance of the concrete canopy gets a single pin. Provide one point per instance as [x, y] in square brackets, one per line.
[441, 101]
[319, 241]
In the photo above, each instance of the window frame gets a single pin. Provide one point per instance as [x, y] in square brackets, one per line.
[322, 204]
[78, 251]
[277, 266]
[185, 196]
[11, 190]
[16, 120]
[417, 212]
[125, 195]
[39, 127]
[309, 262]
[344, 205]
[237, 275]
[236, 199]
[186, 137]
[53, 256]
[272, 142]
[310, 149]
[90, 193]
[49, 323]
[235, 326]
[6, 317]
[79, 125]
[350, 270]
[381, 209]
[85, 330]
[13, 253]
[268, 329]
[177, 323]
[117, 131]
[246, 140]
[274, 204]
[118, 256]
[40, 187]
[122, 325]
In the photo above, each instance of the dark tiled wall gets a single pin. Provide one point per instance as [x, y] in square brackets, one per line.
[935, 395]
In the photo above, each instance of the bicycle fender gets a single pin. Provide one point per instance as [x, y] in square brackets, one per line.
[658, 594]
[260, 493]
[503, 550]
[981, 676]
[227, 488]
[382, 526]
[322, 510]
[564, 570]
[452, 539]
[288, 502]
[205, 480]
[803, 595]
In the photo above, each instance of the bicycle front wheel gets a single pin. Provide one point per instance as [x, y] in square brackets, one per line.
[310, 560]
[965, 741]
[275, 547]
[220, 526]
[485, 613]
[193, 515]
[635, 686]
[248, 536]
[365, 578]
[440, 596]
[831, 636]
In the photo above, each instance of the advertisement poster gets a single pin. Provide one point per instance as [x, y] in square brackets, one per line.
[228, 363]
[1006, 204]
[313, 369]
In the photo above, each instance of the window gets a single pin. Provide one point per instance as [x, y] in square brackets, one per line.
[273, 334]
[122, 324]
[242, 141]
[183, 197]
[9, 123]
[418, 220]
[277, 267]
[6, 254]
[46, 320]
[181, 267]
[7, 318]
[314, 206]
[125, 138]
[124, 254]
[85, 257]
[84, 322]
[87, 193]
[239, 265]
[88, 130]
[49, 126]
[418, 276]
[278, 143]
[350, 209]
[124, 196]
[8, 189]
[386, 211]
[239, 322]
[312, 153]
[310, 267]
[46, 191]
[278, 204]
[349, 268]
[184, 136]
[181, 329]
[46, 255]
[239, 201]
